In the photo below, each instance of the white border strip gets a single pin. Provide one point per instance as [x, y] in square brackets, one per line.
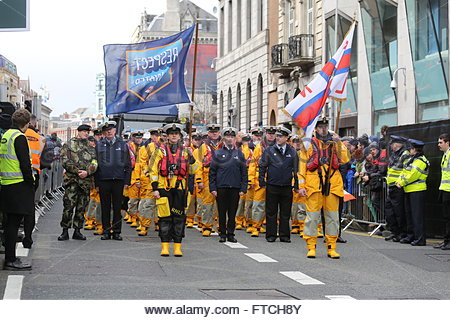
[300, 277]
[13, 288]
[340, 297]
[260, 257]
[235, 245]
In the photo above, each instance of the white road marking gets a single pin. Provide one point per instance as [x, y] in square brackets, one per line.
[300, 277]
[260, 257]
[13, 288]
[340, 297]
[236, 245]
[21, 251]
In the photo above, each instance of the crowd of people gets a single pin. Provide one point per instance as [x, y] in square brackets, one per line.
[266, 181]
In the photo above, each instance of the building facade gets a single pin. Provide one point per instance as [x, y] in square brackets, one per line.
[180, 15]
[399, 60]
[100, 95]
[9, 82]
[245, 85]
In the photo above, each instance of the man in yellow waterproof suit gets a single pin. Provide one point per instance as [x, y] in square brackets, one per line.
[134, 190]
[204, 155]
[147, 204]
[259, 197]
[243, 215]
[322, 192]
[193, 188]
[171, 165]
[298, 214]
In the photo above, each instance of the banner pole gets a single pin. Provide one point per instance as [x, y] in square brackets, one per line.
[333, 149]
[194, 73]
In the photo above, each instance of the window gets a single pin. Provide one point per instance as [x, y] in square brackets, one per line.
[379, 19]
[230, 26]
[238, 107]
[259, 100]
[290, 19]
[238, 24]
[221, 32]
[221, 108]
[249, 19]
[310, 17]
[428, 23]
[259, 10]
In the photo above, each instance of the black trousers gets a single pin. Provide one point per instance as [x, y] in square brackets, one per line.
[395, 212]
[415, 212]
[446, 213]
[227, 205]
[111, 193]
[172, 227]
[11, 228]
[278, 201]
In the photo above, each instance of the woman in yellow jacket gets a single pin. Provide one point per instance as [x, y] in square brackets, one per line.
[413, 180]
[171, 165]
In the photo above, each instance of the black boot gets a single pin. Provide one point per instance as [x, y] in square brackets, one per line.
[64, 235]
[77, 235]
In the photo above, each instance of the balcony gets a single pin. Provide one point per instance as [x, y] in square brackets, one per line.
[280, 54]
[301, 51]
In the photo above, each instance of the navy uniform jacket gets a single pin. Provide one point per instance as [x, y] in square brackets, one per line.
[228, 169]
[277, 169]
[113, 161]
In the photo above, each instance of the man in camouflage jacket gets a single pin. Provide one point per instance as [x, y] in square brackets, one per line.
[79, 161]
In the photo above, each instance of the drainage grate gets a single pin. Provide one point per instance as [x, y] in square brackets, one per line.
[440, 257]
[248, 294]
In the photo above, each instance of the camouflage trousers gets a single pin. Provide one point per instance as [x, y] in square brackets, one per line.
[75, 198]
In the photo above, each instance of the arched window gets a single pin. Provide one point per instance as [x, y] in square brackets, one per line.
[259, 98]
[238, 107]
[248, 114]
[229, 107]
[221, 108]
[273, 118]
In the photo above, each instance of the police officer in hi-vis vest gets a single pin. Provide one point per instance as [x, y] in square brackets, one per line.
[171, 165]
[413, 180]
[444, 146]
[17, 191]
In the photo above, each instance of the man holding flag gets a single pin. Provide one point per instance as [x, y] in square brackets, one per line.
[319, 178]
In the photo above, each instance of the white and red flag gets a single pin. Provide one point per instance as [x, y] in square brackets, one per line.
[331, 82]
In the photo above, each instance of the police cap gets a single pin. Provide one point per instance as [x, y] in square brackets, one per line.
[172, 127]
[154, 131]
[137, 134]
[108, 125]
[270, 129]
[97, 131]
[398, 139]
[416, 143]
[229, 131]
[213, 127]
[84, 127]
[322, 122]
[257, 131]
[196, 136]
[246, 137]
[282, 131]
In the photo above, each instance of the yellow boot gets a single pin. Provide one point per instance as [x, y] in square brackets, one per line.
[139, 228]
[156, 224]
[331, 246]
[295, 227]
[135, 221]
[143, 231]
[130, 218]
[319, 231]
[239, 222]
[99, 230]
[250, 226]
[206, 232]
[177, 250]
[311, 246]
[90, 224]
[127, 216]
[165, 249]
[301, 225]
[189, 221]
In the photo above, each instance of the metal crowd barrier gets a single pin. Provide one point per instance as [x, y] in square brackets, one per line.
[49, 190]
[368, 207]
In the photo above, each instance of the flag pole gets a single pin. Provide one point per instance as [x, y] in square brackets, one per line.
[194, 73]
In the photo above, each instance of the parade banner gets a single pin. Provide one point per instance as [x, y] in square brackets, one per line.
[331, 81]
[147, 75]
